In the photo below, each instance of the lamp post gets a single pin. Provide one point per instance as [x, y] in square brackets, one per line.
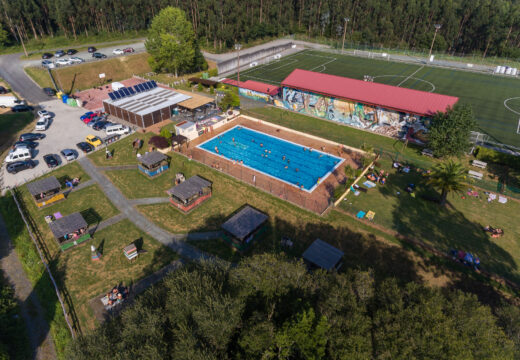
[437, 27]
[344, 33]
[237, 48]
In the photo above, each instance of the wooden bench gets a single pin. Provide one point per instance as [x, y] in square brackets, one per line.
[479, 164]
[475, 174]
[427, 152]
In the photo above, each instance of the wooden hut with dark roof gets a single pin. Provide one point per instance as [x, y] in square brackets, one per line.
[70, 230]
[190, 193]
[45, 191]
[153, 163]
[244, 226]
[323, 255]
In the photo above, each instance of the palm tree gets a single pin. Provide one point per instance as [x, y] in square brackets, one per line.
[447, 176]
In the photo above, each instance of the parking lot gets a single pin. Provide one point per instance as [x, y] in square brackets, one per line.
[64, 132]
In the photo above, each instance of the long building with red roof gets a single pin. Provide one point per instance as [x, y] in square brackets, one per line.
[254, 89]
[384, 109]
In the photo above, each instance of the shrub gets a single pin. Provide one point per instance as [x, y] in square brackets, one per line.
[159, 142]
[213, 72]
[497, 157]
[211, 90]
[199, 87]
[338, 191]
[165, 133]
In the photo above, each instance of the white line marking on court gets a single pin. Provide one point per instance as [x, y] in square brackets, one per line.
[323, 65]
[402, 76]
[518, 127]
[508, 108]
[415, 72]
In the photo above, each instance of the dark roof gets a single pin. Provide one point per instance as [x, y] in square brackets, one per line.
[67, 224]
[43, 185]
[371, 93]
[244, 222]
[191, 187]
[152, 158]
[323, 255]
[179, 139]
[206, 82]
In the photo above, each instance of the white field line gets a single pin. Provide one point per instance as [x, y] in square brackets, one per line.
[409, 76]
[518, 127]
[507, 106]
[273, 62]
[323, 65]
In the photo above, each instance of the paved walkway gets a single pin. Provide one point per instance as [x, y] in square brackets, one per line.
[40, 339]
[106, 223]
[149, 201]
[117, 167]
[125, 207]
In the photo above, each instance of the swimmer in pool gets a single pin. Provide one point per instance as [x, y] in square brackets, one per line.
[233, 139]
[286, 166]
[296, 170]
[288, 161]
[261, 145]
[304, 149]
[283, 157]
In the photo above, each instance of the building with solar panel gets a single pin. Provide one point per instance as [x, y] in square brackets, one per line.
[144, 104]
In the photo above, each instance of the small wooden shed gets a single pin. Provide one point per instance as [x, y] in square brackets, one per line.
[153, 163]
[45, 191]
[70, 230]
[190, 193]
[323, 255]
[244, 226]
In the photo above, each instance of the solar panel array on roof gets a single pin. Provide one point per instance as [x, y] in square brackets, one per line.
[112, 96]
[116, 94]
[131, 91]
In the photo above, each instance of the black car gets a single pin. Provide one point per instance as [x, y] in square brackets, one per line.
[31, 137]
[3, 90]
[71, 51]
[85, 147]
[92, 49]
[47, 55]
[22, 107]
[49, 91]
[59, 53]
[17, 166]
[28, 143]
[99, 56]
[51, 160]
[100, 125]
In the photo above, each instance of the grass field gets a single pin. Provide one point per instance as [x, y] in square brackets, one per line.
[486, 93]
[10, 125]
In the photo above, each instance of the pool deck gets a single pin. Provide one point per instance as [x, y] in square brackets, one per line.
[317, 201]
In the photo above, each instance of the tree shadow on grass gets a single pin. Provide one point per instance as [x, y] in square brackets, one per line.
[91, 216]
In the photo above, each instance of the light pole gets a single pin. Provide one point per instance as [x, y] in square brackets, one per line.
[437, 27]
[344, 33]
[237, 48]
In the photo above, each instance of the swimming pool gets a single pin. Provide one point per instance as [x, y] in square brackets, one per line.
[292, 163]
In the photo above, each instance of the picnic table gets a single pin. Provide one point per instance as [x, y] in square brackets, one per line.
[475, 174]
[479, 164]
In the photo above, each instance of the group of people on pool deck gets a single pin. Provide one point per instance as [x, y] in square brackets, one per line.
[378, 178]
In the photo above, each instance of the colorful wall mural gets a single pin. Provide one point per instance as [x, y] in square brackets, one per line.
[376, 119]
[255, 95]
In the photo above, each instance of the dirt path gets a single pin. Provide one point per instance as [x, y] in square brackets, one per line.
[38, 330]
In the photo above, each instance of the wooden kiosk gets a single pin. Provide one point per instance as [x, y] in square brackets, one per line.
[190, 193]
[70, 230]
[153, 163]
[46, 191]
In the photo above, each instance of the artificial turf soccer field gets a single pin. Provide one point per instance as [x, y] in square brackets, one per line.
[486, 93]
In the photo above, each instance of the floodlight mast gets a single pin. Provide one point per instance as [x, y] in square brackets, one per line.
[437, 27]
[347, 19]
[237, 48]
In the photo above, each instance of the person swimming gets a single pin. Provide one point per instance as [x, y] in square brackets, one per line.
[233, 139]
[283, 157]
[296, 169]
[286, 167]
[261, 145]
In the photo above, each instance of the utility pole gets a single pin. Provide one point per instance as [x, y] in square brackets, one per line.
[238, 47]
[21, 39]
[344, 33]
[437, 27]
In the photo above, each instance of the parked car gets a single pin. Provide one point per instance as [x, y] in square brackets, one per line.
[93, 140]
[3, 90]
[18, 166]
[44, 114]
[71, 51]
[31, 137]
[48, 64]
[19, 154]
[128, 50]
[95, 120]
[92, 49]
[86, 115]
[69, 154]
[49, 91]
[8, 101]
[118, 52]
[42, 124]
[99, 55]
[27, 143]
[89, 118]
[51, 160]
[59, 53]
[47, 55]
[21, 108]
[77, 60]
[85, 147]
[63, 62]
[117, 129]
[100, 125]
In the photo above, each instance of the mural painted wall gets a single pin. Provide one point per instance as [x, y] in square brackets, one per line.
[254, 95]
[376, 119]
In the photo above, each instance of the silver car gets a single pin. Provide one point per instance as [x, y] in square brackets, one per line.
[69, 154]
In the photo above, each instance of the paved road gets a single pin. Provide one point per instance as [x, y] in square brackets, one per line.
[40, 339]
[11, 70]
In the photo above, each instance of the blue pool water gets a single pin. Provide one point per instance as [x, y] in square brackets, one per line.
[275, 157]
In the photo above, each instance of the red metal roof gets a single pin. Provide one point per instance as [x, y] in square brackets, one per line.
[255, 86]
[371, 93]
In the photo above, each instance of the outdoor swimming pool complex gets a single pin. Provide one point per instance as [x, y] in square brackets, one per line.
[292, 163]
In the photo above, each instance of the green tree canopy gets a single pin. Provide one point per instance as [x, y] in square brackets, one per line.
[231, 99]
[268, 307]
[449, 131]
[172, 44]
[447, 177]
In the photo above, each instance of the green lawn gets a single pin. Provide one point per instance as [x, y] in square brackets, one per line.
[456, 226]
[219, 248]
[10, 125]
[71, 171]
[123, 152]
[486, 93]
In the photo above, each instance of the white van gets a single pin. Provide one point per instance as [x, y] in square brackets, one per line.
[8, 101]
[19, 154]
[117, 129]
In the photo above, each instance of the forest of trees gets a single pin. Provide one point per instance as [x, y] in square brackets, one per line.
[268, 307]
[488, 27]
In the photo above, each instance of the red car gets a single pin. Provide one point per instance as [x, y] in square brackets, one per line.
[128, 50]
[89, 118]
